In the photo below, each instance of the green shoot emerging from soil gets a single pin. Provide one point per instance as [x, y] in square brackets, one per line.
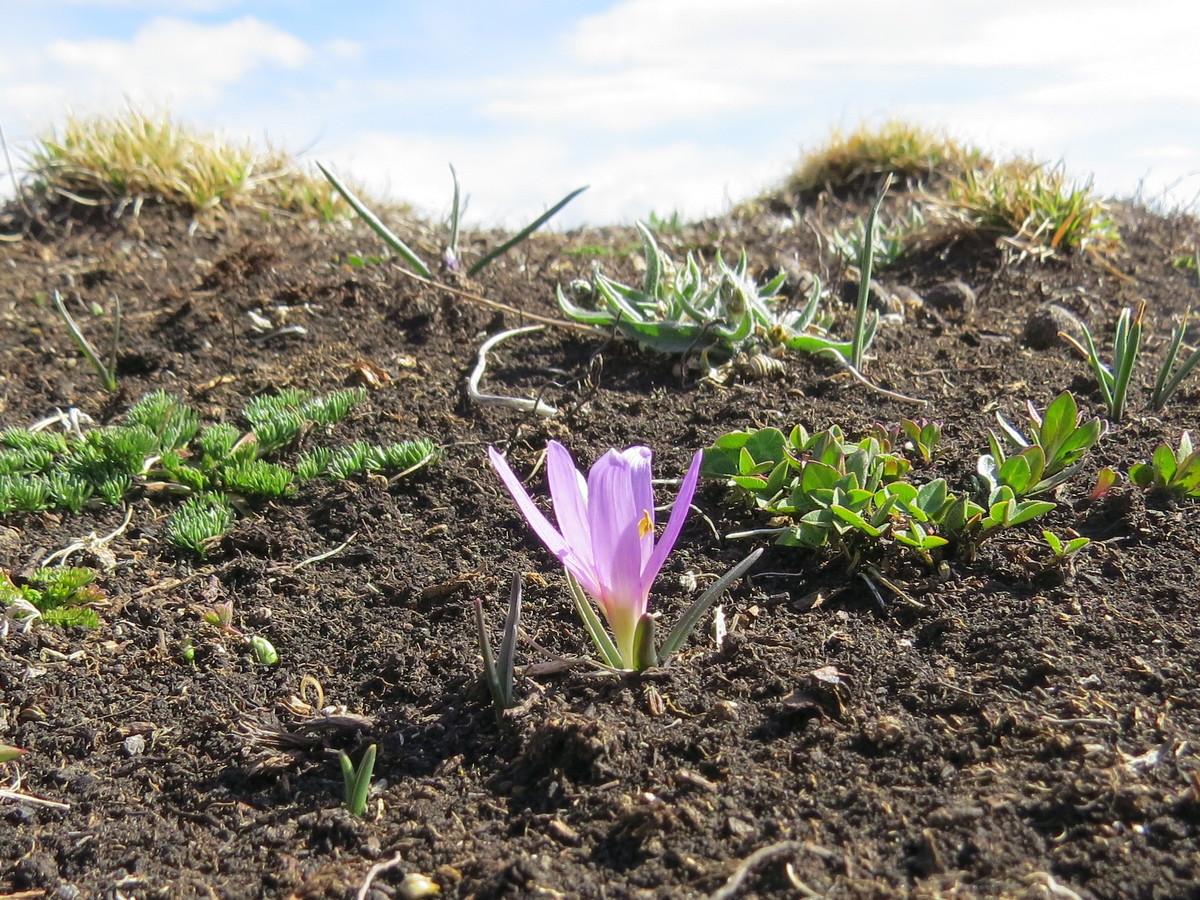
[498, 669]
[1175, 472]
[450, 260]
[357, 780]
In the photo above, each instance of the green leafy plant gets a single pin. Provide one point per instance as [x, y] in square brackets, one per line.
[357, 780]
[1049, 456]
[8, 753]
[107, 371]
[498, 669]
[866, 322]
[686, 308]
[55, 596]
[859, 499]
[161, 448]
[1174, 471]
[1064, 550]
[450, 259]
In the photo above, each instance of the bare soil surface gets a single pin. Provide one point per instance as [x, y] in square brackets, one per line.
[1005, 731]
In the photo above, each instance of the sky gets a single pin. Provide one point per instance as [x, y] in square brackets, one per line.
[664, 106]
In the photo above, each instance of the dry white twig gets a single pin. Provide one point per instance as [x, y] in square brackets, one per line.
[538, 407]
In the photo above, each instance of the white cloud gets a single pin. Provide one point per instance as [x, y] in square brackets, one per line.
[178, 61]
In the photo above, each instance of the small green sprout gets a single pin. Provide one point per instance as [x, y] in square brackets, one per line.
[1064, 550]
[8, 753]
[264, 651]
[498, 670]
[357, 781]
[1167, 382]
[1170, 471]
[1114, 380]
[107, 371]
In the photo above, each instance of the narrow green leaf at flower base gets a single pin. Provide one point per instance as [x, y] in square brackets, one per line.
[644, 654]
[692, 615]
[592, 624]
[357, 781]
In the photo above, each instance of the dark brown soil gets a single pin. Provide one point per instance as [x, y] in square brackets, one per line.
[1007, 733]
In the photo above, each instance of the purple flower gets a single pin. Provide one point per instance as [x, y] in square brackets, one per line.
[605, 533]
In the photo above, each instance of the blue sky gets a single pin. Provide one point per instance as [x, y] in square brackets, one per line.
[659, 105]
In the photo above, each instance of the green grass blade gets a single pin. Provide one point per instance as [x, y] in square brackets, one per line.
[691, 616]
[108, 374]
[525, 232]
[455, 211]
[376, 224]
[508, 641]
[866, 262]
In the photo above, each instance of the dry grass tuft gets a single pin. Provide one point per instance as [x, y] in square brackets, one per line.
[1031, 207]
[913, 154]
[132, 157]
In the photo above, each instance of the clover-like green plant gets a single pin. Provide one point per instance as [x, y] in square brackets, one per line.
[450, 260]
[357, 780]
[1049, 456]
[498, 668]
[858, 498]
[1173, 471]
[715, 311]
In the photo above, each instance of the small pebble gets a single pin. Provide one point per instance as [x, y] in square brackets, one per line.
[952, 298]
[134, 745]
[1045, 322]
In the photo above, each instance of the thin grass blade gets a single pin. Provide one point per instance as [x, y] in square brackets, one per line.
[866, 262]
[693, 613]
[525, 232]
[376, 224]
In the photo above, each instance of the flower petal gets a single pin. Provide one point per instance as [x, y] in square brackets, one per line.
[541, 526]
[568, 488]
[679, 511]
[611, 513]
[642, 491]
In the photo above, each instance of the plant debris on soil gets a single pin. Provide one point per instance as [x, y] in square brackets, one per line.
[998, 728]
